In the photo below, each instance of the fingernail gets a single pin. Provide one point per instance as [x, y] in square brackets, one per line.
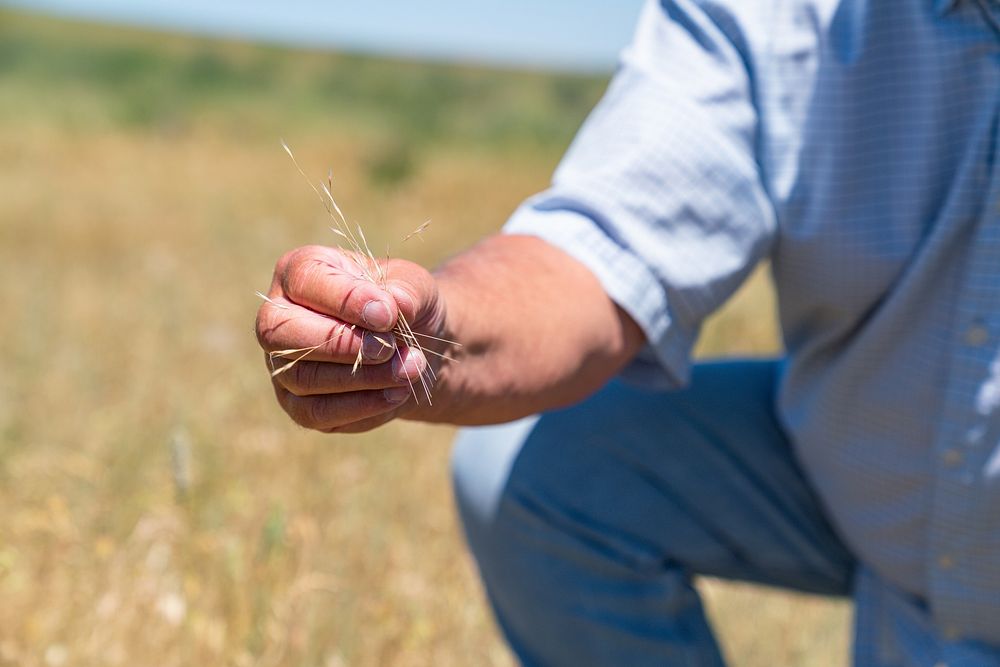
[377, 346]
[396, 394]
[408, 365]
[376, 315]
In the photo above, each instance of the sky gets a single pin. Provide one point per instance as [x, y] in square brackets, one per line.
[552, 34]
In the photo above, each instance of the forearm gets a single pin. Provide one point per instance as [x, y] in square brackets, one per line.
[537, 332]
[535, 327]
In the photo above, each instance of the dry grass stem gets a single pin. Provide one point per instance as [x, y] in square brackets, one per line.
[271, 301]
[303, 352]
[418, 232]
[374, 271]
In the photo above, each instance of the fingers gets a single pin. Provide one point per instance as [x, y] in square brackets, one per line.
[294, 332]
[311, 378]
[324, 308]
[333, 282]
[330, 397]
[346, 286]
[335, 411]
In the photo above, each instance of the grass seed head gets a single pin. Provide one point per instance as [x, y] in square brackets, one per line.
[372, 270]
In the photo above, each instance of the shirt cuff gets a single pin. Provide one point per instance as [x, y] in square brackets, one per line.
[664, 363]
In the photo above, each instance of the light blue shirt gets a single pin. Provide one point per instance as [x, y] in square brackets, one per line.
[856, 145]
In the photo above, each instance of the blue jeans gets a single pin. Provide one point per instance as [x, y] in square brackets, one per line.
[589, 523]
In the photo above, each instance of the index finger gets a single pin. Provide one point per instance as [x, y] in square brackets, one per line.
[290, 331]
[336, 283]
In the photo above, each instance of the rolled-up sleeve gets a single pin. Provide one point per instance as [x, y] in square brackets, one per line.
[660, 194]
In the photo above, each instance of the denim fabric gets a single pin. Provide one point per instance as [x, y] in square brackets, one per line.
[588, 529]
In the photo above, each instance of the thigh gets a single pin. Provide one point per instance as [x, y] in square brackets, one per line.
[701, 479]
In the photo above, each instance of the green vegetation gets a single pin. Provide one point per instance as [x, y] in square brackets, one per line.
[111, 77]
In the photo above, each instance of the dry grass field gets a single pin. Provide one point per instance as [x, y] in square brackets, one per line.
[155, 506]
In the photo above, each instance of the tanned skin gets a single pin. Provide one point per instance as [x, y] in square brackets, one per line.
[537, 332]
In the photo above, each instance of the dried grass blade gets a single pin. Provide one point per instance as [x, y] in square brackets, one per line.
[333, 202]
[443, 340]
[306, 351]
[271, 301]
[417, 232]
[357, 363]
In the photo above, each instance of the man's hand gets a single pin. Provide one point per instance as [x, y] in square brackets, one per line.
[320, 299]
[537, 332]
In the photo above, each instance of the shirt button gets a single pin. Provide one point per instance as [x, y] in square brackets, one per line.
[951, 633]
[946, 562]
[976, 335]
[952, 458]
[940, 664]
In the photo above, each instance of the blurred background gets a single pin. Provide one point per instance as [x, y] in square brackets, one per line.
[155, 505]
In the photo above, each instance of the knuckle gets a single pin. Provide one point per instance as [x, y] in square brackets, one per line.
[313, 412]
[303, 410]
[281, 266]
[262, 325]
[266, 324]
[296, 380]
[301, 272]
[259, 328]
[303, 378]
[290, 380]
[287, 402]
[314, 250]
[291, 258]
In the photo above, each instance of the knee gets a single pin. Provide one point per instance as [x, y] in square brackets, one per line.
[481, 464]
